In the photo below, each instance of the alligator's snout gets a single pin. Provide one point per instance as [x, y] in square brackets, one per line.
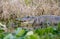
[25, 19]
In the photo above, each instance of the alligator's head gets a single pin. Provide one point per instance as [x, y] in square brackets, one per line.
[27, 21]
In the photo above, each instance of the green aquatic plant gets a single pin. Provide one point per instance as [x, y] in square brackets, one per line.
[49, 32]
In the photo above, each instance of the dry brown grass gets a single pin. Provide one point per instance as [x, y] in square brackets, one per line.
[18, 8]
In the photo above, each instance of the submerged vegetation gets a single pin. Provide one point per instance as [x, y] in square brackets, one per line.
[49, 32]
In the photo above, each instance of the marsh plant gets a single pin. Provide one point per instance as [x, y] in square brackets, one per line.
[40, 33]
[21, 8]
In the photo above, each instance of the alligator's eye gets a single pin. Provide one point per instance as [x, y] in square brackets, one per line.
[48, 23]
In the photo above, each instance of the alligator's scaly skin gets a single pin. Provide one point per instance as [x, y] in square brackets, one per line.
[40, 20]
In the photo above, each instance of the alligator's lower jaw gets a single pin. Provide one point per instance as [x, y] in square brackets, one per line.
[25, 24]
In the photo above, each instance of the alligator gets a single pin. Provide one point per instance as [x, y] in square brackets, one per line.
[40, 21]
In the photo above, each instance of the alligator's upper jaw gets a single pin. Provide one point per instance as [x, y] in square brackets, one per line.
[25, 19]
